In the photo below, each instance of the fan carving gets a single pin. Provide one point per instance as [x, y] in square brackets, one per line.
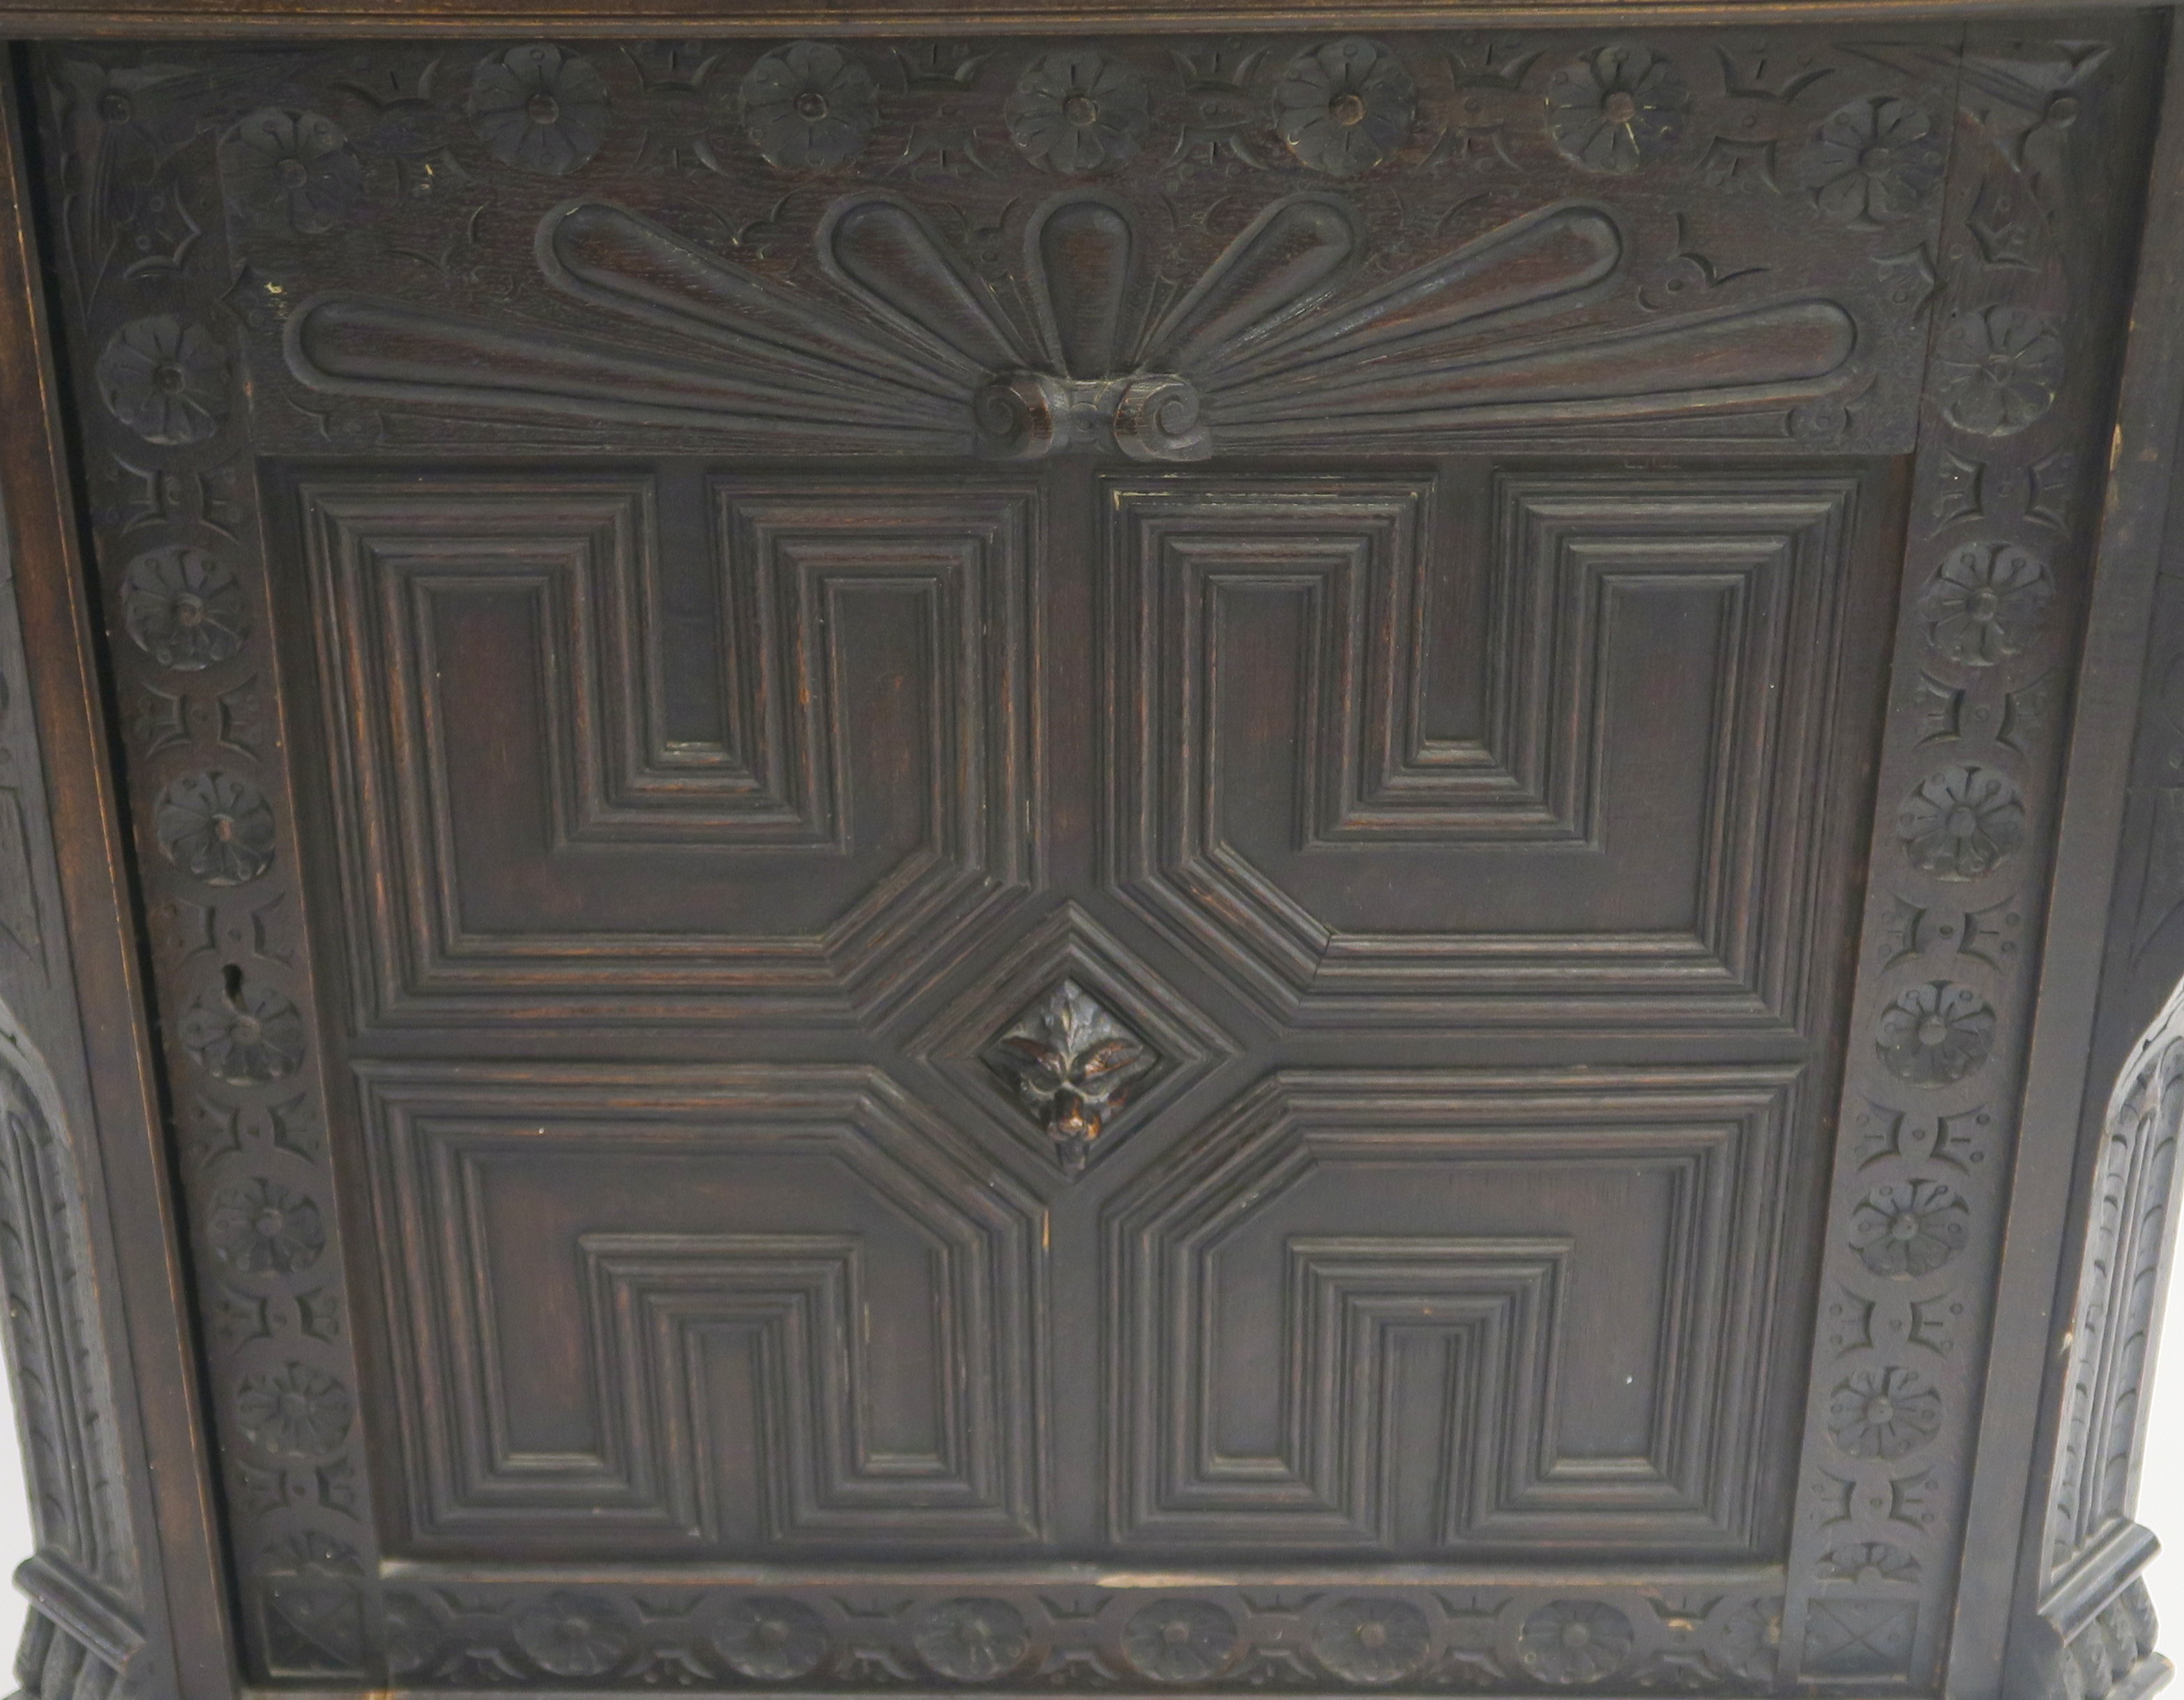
[1275, 345]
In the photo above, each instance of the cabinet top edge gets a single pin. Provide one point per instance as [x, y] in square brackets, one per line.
[175, 19]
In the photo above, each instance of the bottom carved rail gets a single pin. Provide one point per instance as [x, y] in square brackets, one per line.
[1714, 1632]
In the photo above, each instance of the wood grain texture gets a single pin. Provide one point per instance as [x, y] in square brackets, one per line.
[1037, 862]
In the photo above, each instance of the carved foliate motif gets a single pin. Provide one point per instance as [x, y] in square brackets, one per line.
[1073, 1064]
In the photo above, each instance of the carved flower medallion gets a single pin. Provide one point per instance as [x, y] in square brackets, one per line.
[183, 608]
[1345, 106]
[1883, 1413]
[809, 106]
[215, 827]
[1909, 1228]
[1987, 603]
[249, 1039]
[573, 1635]
[539, 108]
[1749, 1642]
[1180, 1641]
[1935, 1034]
[1371, 1640]
[770, 1640]
[1617, 109]
[1078, 110]
[1997, 369]
[1575, 1641]
[296, 1412]
[1874, 160]
[166, 381]
[972, 1641]
[299, 164]
[1961, 823]
[263, 1227]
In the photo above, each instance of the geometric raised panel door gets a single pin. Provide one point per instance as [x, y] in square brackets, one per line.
[1145, 862]
[769, 759]
[1570, 764]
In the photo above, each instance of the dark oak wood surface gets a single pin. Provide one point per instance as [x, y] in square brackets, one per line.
[1249, 855]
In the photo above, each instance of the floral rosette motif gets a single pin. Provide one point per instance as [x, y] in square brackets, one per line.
[1345, 106]
[1371, 1640]
[1748, 1644]
[768, 1640]
[1180, 1641]
[1617, 109]
[296, 1412]
[1874, 160]
[570, 1634]
[183, 608]
[1987, 603]
[1883, 1413]
[1997, 369]
[166, 381]
[972, 1641]
[1934, 1036]
[809, 107]
[298, 164]
[1575, 1641]
[1078, 110]
[1910, 1229]
[262, 1228]
[539, 108]
[1961, 823]
[216, 827]
[247, 1039]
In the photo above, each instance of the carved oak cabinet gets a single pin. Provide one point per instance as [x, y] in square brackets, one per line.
[936, 849]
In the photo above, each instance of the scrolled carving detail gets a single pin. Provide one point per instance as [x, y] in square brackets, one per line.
[1161, 419]
[1024, 415]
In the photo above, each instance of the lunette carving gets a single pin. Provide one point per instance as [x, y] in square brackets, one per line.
[1261, 349]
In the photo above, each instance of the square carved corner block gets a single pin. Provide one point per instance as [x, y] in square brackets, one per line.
[1240, 858]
